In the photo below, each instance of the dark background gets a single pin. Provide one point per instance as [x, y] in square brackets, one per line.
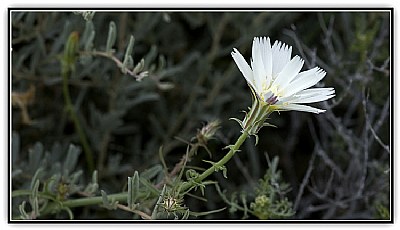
[337, 163]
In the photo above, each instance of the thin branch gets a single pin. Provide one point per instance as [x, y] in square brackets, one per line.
[369, 126]
[384, 146]
[178, 166]
[144, 215]
[120, 65]
[244, 171]
[305, 181]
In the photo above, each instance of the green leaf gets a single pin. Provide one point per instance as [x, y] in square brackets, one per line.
[50, 185]
[186, 214]
[75, 177]
[218, 168]
[36, 176]
[151, 55]
[149, 186]
[128, 60]
[243, 198]
[33, 199]
[224, 172]
[105, 198]
[70, 52]
[35, 189]
[89, 41]
[88, 36]
[112, 36]
[71, 160]
[129, 198]
[133, 190]
[152, 172]
[89, 28]
[160, 198]
[111, 205]
[92, 187]
[24, 215]
[139, 67]
[69, 211]
[94, 177]
[135, 186]
[238, 121]
[36, 156]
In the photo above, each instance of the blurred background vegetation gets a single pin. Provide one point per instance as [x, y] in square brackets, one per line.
[337, 164]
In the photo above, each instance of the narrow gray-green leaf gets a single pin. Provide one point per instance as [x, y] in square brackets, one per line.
[71, 160]
[151, 172]
[112, 36]
[130, 192]
[36, 177]
[135, 187]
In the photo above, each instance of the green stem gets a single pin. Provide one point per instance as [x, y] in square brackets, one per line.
[253, 121]
[54, 206]
[223, 161]
[120, 197]
[70, 108]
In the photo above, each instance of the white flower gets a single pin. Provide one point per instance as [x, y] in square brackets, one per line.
[276, 79]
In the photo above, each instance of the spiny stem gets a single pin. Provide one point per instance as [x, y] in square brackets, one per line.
[222, 162]
[253, 121]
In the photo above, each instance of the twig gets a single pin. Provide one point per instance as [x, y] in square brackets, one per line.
[144, 215]
[384, 146]
[368, 123]
[175, 170]
[244, 171]
[120, 65]
[322, 153]
[305, 181]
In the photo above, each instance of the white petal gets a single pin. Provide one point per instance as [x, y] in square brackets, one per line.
[312, 95]
[289, 72]
[312, 99]
[257, 63]
[281, 56]
[301, 96]
[302, 108]
[267, 59]
[311, 91]
[243, 67]
[304, 80]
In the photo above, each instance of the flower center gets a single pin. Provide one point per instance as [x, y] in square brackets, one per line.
[270, 94]
[272, 100]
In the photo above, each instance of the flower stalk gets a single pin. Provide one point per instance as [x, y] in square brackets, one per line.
[256, 117]
[186, 186]
[252, 123]
[68, 66]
